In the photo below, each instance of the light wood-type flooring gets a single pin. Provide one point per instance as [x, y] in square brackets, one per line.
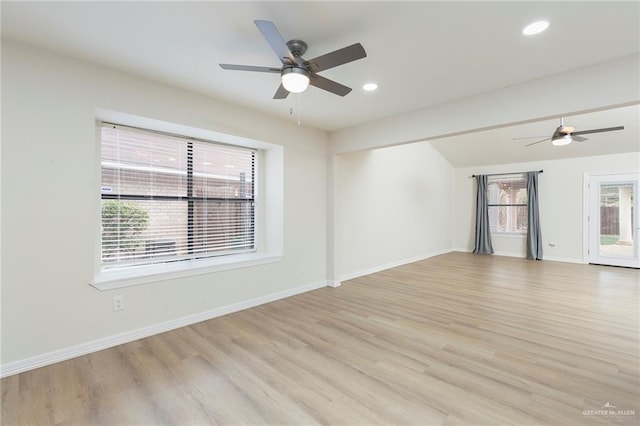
[454, 339]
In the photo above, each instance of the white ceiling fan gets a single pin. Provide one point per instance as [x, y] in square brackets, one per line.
[564, 135]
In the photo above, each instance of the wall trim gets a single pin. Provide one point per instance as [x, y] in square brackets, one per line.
[510, 254]
[463, 249]
[149, 274]
[390, 265]
[564, 259]
[496, 253]
[544, 257]
[64, 354]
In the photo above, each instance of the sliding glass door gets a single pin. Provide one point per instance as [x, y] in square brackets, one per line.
[613, 220]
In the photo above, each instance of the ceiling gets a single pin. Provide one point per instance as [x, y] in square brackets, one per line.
[497, 146]
[421, 54]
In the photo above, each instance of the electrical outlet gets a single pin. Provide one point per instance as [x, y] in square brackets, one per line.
[118, 303]
[303, 268]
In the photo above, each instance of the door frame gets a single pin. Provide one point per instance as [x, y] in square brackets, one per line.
[587, 177]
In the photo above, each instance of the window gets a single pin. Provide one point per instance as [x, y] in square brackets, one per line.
[167, 198]
[507, 197]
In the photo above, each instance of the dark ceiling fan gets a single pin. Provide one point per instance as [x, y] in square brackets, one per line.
[296, 72]
[564, 135]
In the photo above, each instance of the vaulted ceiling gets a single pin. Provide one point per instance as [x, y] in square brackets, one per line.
[421, 54]
[509, 144]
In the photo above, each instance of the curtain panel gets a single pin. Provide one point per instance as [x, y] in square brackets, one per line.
[483, 232]
[534, 234]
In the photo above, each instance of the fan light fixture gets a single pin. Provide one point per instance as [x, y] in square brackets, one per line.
[562, 140]
[295, 80]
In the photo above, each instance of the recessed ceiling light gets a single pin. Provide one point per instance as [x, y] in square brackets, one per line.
[370, 87]
[535, 28]
[206, 163]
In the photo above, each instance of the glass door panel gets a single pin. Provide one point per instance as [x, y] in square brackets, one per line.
[613, 238]
[616, 220]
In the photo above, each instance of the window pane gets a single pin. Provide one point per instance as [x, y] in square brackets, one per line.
[223, 226]
[140, 230]
[222, 172]
[508, 219]
[141, 163]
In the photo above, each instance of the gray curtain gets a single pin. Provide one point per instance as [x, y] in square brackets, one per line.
[534, 235]
[483, 234]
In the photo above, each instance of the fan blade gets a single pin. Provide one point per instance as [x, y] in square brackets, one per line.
[578, 138]
[335, 58]
[249, 68]
[281, 93]
[543, 140]
[328, 85]
[528, 137]
[607, 129]
[275, 40]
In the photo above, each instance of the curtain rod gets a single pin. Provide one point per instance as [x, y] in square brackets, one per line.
[504, 174]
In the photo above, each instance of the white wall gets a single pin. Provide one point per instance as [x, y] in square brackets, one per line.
[561, 191]
[392, 205]
[50, 215]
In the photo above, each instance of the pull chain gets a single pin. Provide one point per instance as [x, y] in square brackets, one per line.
[299, 103]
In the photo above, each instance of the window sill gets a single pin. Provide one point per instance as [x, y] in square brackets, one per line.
[127, 277]
[509, 234]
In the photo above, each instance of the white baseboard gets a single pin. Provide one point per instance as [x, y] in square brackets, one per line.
[497, 253]
[463, 250]
[564, 259]
[38, 361]
[390, 265]
[509, 254]
[522, 256]
[548, 258]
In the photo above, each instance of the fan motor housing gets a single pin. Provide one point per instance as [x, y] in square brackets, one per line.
[297, 47]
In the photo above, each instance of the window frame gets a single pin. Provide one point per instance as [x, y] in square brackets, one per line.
[268, 215]
[187, 197]
[501, 178]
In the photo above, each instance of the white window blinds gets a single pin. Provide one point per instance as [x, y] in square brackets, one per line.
[169, 198]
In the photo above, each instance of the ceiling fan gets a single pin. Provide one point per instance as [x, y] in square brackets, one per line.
[564, 135]
[296, 72]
